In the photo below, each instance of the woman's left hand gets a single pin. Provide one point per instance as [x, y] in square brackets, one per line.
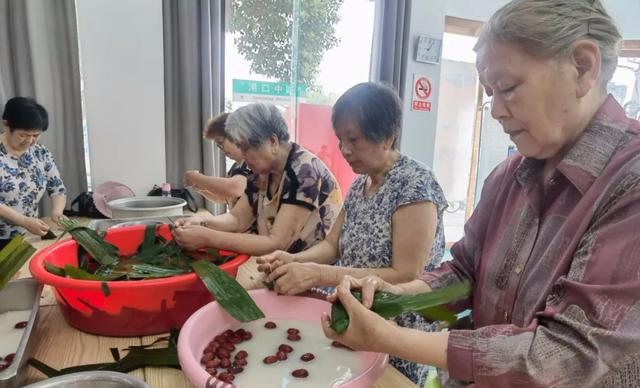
[367, 330]
[294, 278]
[192, 237]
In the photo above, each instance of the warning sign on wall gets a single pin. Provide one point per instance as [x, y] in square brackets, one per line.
[421, 93]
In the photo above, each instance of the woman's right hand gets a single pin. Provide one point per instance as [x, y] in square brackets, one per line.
[35, 226]
[194, 220]
[268, 263]
[191, 178]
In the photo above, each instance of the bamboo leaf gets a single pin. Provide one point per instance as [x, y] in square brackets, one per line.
[227, 291]
[105, 289]
[59, 271]
[12, 257]
[102, 251]
[77, 273]
[389, 305]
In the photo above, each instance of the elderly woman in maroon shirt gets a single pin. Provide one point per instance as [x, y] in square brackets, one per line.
[553, 248]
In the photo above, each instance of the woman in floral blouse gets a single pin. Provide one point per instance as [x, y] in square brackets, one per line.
[552, 250]
[27, 170]
[391, 223]
[291, 196]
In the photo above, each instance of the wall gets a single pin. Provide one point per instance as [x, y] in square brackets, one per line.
[121, 55]
[625, 12]
[419, 128]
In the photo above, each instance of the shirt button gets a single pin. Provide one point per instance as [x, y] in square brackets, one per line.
[518, 270]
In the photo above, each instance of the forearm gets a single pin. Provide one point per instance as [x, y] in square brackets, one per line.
[58, 203]
[252, 244]
[332, 275]
[322, 253]
[224, 187]
[11, 215]
[224, 222]
[429, 348]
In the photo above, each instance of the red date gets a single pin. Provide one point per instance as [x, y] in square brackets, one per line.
[235, 369]
[307, 357]
[212, 371]
[270, 360]
[9, 358]
[294, 337]
[337, 344]
[21, 325]
[241, 355]
[247, 336]
[285, 348]
[300, 373]
[226, 377]
[270, 325]
[293, 331]
[225, 363]
[281, 355]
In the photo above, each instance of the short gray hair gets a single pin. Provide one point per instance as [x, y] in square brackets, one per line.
[254, 124]
[550, 27]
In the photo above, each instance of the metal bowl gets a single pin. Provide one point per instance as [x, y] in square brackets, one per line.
[146, 207]
[102, 379]
[22, 294]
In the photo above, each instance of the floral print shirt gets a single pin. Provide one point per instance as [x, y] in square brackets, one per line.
[365, 238]
[23, 181]
[306, 182]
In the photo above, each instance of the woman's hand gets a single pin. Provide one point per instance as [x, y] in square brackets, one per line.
[190, 221]
[367, 330]
[294, 278]
[191, 178]
[268, 263]
[56, 217]
[369, 285]
[192, 237]
[35, 226]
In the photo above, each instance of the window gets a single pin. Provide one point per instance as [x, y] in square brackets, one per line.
[301, 56]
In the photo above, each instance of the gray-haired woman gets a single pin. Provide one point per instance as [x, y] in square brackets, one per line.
[292, 195]
[552, 249]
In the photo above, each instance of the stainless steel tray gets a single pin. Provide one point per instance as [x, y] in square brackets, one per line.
[94, 379]
[22, 294]
[102, 225]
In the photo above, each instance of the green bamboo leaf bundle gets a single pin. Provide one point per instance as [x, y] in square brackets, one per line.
[227, 291]
[388, 305]
[12, 258]
[102, 251]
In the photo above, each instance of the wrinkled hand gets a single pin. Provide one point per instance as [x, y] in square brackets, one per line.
[294, 278]
[56, 217]
[367, 330]
[35, 226]
[195, 220]
[369, 285]
[191, 178]
[192, 237]
[268, 263]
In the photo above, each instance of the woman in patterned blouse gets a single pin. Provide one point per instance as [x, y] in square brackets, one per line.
[27, 170]
[291, 196]
[552, 249]
[391, 222]
[221, 189]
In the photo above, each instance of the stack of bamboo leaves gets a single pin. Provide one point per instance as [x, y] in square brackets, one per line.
[12, 258]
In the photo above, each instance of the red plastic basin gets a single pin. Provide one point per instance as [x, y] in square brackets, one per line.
[134, 308]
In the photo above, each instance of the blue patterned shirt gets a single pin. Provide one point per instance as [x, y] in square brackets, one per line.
[365, 238]
[23, 181]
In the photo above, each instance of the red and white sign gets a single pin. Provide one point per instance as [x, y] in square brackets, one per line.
[421, 93]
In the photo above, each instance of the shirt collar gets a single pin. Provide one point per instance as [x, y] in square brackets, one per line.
[588, 157]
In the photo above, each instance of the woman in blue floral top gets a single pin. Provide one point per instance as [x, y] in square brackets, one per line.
[27, 170]
[291, 196]
[391, 222]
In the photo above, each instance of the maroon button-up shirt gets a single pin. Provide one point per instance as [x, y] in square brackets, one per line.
[556, 274]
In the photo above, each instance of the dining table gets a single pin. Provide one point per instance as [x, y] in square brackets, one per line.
[60, 345]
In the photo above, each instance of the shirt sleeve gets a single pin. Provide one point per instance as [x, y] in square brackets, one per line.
[55, 186]
[421, 185]
[588, 333]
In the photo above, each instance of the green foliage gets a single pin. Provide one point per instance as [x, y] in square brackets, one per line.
[264, 30]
